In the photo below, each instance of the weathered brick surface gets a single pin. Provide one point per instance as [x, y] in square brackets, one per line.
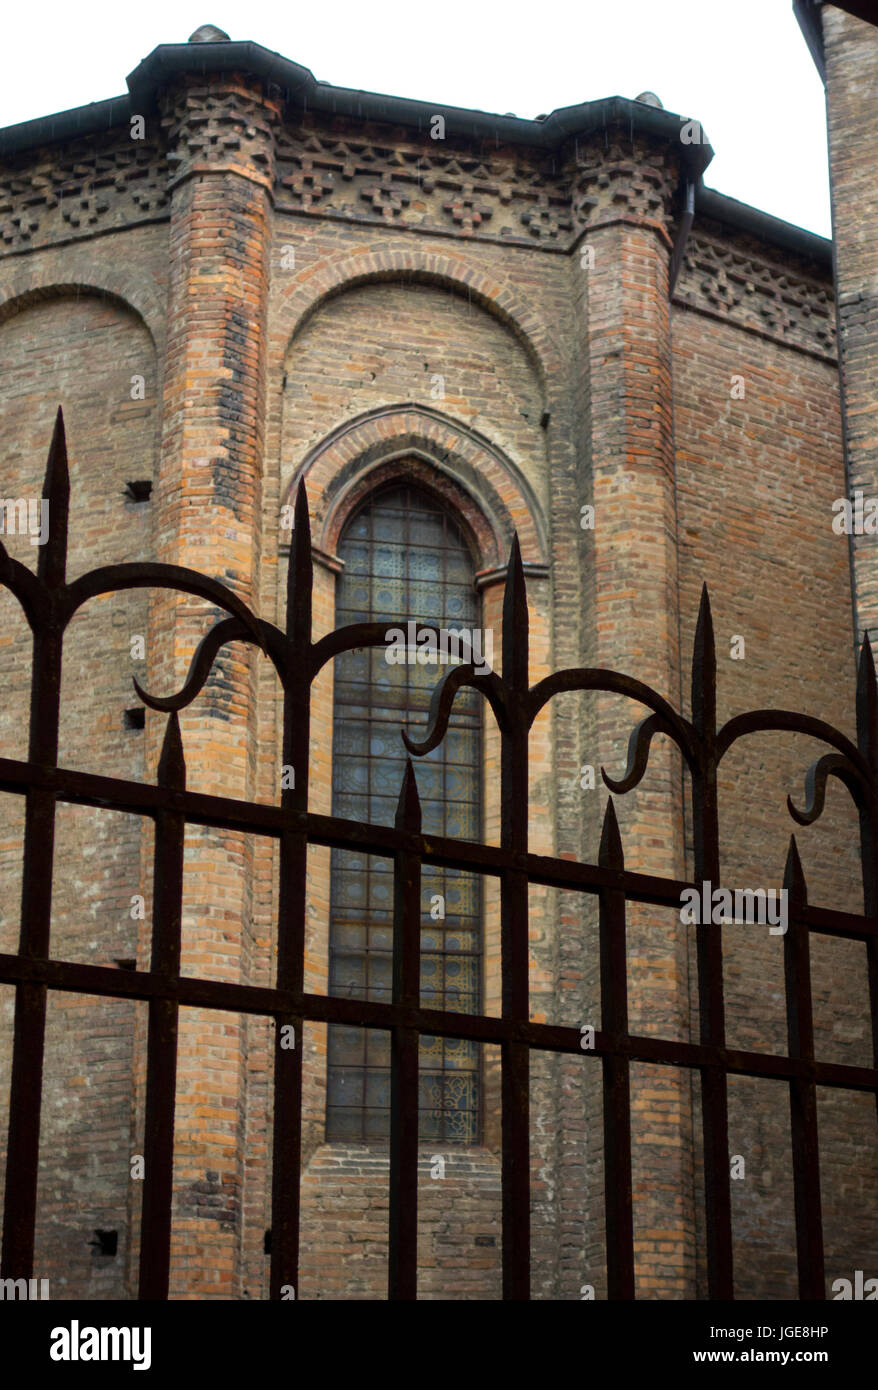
[207, 504]
[82, 351]
[756, 479]
[851, 47]
[850, 1181]
[633, 590]
[351, 303]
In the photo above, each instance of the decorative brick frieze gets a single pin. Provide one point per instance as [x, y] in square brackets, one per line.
[620, 181]
[744, 281]
[88, 187]
[387, 176]
[80, 189]
[212, 125]
[467, 210]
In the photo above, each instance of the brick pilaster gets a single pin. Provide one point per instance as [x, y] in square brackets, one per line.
[626, 193]
[851, 49]
[208, 505]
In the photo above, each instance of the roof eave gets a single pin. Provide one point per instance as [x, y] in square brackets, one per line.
[744, 218]
[298, 85]
[66, 125]
[807, 13]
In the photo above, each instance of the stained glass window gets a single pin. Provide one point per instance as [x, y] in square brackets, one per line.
[405, 559]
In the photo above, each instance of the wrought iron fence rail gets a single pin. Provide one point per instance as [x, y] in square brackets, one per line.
[260, 818]
[49, 604]
[192, 991]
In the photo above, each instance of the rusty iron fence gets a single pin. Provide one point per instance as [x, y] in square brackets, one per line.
[49, 603]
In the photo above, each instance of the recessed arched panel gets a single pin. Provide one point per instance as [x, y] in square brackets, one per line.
[373, 349]
[477, 479]
[94, 357]
[308, 294]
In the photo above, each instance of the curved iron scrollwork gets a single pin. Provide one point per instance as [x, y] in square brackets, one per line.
[49, 603]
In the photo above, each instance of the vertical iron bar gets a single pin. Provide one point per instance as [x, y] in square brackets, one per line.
[161, 1050]
[803, 1094]
[287, 1138]
[617, 1099]
[403, 1234]
[714, 1081]
[867, 740]
[29, 1034]
[515, 1056]
[47, 612]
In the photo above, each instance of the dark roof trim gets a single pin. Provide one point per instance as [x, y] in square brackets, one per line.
[299, 85]
[743, 218]
[860, 9]
[807, 13]
[300, 88]
[66, 125]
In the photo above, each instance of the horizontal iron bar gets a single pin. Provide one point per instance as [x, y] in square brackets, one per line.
[827, 921]
[142, 798]
[194, 992]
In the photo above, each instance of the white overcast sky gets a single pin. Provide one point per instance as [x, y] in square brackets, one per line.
[743, 70]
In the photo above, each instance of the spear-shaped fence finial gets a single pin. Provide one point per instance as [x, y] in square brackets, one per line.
[300, 573]
[515, 622]
[172, 763]
[704, 670]
[52, 559]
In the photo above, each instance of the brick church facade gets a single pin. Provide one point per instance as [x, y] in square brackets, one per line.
[454, 327]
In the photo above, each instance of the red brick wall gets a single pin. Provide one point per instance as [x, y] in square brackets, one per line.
[851, 52]
[851, 48]
[755, 481]
[208, 502]
[83, 352]
[633, 563]
[564, 384]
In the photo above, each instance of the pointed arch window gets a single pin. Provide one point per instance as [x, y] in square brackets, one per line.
[405, 558]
